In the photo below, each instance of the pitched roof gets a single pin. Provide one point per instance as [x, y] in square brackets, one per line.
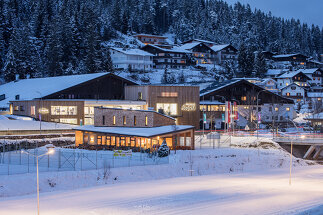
[308, 71]
[315, 116]
[174, 49]
[150, 35]
[293, 84]
[135, 131]
[290, 74]
[189, 46]
[274, 71]
[218, 85]
[132, 51]
[287, 55]
[217, 48]
[32, 88]
[198, 40]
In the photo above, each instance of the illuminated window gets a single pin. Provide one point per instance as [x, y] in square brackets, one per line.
[139, 95]
[276, 109]
[287, 94]
[244, 98]
[16, 108]
[169, 94]
[114, 120]
[33, 110]
[146, 120]
[135, 120]
[287, 109]
[167, 108]
[124, 120]
[68, 121]
[89, 110]
[64, 110]
[286, 84]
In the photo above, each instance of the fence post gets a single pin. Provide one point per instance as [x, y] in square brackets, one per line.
[20, 155]
[81, 160]
[59, 159]
[96, 158]
[113, 160]
[48, 161]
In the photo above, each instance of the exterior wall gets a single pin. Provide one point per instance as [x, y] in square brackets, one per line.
[137, 62]
[277, 113]
[187, 100]
[293, 91]
[44, 106]
[153, 119]
[151, 39]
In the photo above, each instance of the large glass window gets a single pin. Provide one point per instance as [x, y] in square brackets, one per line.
[89, 110]
[167, 108]
[68, 121]
[64, 110]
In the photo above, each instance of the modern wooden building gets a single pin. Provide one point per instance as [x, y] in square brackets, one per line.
[133, 129]
[180, 102]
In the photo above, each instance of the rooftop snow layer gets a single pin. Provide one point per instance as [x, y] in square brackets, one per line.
[217, 48]
[308, 71]
[174, 49]
[189, 46]
[132, 51]
[289, 74]
[27, 125]
[28, 89]
[132, 131]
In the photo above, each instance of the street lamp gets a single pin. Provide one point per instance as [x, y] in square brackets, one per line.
[258, 111]
[50, 150]
[291, 152]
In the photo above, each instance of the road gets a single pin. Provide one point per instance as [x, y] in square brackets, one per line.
[264, 192]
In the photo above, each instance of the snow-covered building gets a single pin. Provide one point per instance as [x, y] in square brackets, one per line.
[174, 58]
[133, 129]
[135, 59]
[271, 106]
[202, 53]
[152, 39]
[273, 73]
[269, 84]
[315, 75]
[296, 77]
[294, 91]
[224, 52]
[61, 98]
[316, 121]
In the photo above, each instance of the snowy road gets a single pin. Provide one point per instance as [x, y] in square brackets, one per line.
[265, 192]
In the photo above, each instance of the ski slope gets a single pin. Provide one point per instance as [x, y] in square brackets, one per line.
[259, 192]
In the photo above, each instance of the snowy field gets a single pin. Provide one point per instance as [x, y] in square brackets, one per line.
[260, 192]
[249, 177]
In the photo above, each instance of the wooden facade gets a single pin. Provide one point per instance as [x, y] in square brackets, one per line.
[183, 100]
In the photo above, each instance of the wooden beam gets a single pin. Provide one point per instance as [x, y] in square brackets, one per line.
[317, 153]
[309, 152]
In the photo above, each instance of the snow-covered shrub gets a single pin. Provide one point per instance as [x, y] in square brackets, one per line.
[163, 150]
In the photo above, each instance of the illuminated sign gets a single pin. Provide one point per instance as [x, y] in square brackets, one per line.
[189, 107]
[43, 110]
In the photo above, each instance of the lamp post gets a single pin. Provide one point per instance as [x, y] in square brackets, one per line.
[50, 151]
[41, 108]
[258, 111]
[291, 152]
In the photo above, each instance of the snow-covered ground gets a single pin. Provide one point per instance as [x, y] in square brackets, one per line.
[260, 192]
[249, 178]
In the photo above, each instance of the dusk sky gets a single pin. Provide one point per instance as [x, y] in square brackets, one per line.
[309, 11]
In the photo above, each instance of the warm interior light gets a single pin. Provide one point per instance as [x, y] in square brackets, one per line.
[51, 151]
[303, 136]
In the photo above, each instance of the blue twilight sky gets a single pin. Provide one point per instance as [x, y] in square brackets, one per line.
[308, 11]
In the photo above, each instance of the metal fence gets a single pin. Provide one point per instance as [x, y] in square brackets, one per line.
[18, 162]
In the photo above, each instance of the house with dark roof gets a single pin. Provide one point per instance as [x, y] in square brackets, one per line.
[152, 39]
[271, 106]
[294, 59]
[175, 58]
[294, 91]
[202, 53]
[315, 75]
[225, 52]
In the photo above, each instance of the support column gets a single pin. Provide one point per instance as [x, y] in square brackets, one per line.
[192, 140]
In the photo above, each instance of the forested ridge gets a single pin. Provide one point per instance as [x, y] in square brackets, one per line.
[59, 37]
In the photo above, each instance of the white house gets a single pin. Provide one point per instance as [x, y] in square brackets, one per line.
[288, 78]
[135, 58]
[315, 76]
[269, 84]
[294, 91]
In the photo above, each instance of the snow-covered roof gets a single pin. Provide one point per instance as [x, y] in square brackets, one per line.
[293, 84]
[308, 71]
[133, 131]
[27, 125]
[202, 41]
[289, 74]
[211, 102]
[286, 55]
[132, 51]
[32, 88]
[218, 85]
[315, 116]
[174, 49]
[150, 35]
[189, 46]
[274, 71]
[265, 80]
[217, 48]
